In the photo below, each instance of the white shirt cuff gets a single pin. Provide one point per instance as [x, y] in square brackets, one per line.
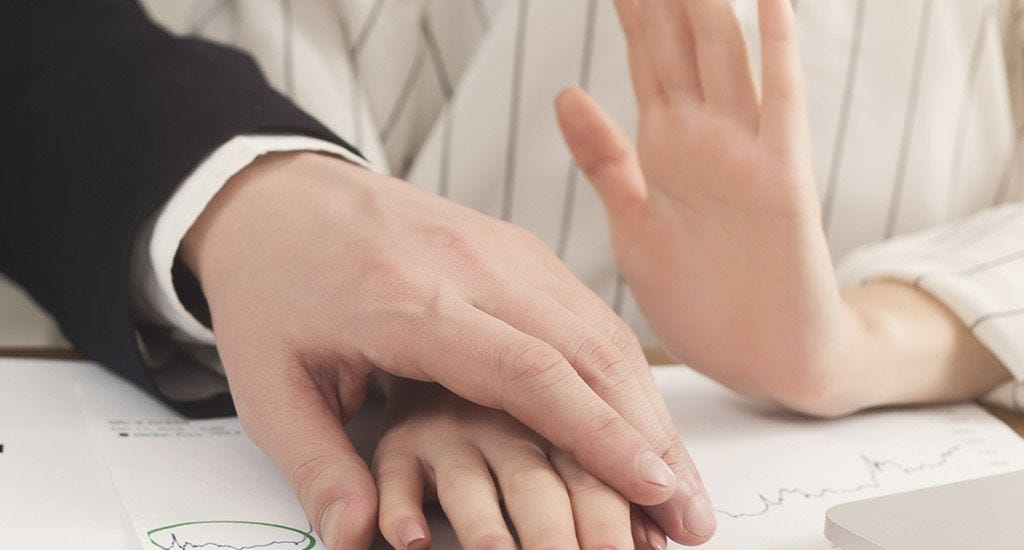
[154, 298]
[973, 268]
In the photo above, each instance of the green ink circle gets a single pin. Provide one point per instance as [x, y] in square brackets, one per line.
[310, 541]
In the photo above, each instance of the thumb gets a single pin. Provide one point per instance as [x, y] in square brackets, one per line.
[297, 428]
[602, 151]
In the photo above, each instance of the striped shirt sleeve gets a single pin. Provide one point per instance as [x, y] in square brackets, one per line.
[975, 267]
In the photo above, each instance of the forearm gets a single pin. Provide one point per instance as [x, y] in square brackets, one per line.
[910, 348]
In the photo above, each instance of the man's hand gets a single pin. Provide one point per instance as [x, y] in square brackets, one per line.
[318, 271]
[715, 216]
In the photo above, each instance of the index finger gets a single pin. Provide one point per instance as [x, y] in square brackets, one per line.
[687, 516]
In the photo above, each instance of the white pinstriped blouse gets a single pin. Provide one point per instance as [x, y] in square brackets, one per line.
[915, 111]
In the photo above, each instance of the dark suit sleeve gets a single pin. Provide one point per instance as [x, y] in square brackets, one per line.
[104, 114]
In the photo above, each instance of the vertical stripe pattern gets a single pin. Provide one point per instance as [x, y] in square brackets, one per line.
[460, 91]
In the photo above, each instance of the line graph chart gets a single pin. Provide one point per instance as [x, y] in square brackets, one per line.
[772, 475]
[874, 468]
[192, 484]
[231, 535]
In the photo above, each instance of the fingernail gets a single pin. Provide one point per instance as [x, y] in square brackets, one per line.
[699, 518]
[653, 470]
[655, 537]
[329, 522]
[410, 531]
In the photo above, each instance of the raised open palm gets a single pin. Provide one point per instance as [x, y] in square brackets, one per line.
[714, 215]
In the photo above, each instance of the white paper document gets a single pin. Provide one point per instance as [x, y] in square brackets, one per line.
[200, 484]
[772, 474]
[185, 485]
[192, 484]
[55, 489]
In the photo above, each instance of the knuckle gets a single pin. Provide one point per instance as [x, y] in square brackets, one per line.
[411, 288]
[530, 371]
[437, 427]
[388, 277]
[493, 539]
[554, 265]
[392, 478]
[308, 476]
[459, 244]
[392, 448]
[414, 436]
[601, 361]
[383, 265]
[624, 338]
[603, 426]
[361, 514]
[528, 240]
[411, 298]
[532, 479]
[460, 473]
[382, 467]
[532, 365]
[582, 483]
[671, 451]
[595, 435]
[610, 165]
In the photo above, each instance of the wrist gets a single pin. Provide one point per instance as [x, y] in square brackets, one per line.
[857, 372]
[875, 337]
[911, 348]
[253, 199]
[828, 382]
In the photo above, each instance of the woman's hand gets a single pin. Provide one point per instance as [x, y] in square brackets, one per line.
[437, 445]
[716, 225]
[715, 216]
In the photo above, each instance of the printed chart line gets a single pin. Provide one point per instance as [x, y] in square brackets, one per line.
[873, 467]
[179, 540]
[178, 545]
